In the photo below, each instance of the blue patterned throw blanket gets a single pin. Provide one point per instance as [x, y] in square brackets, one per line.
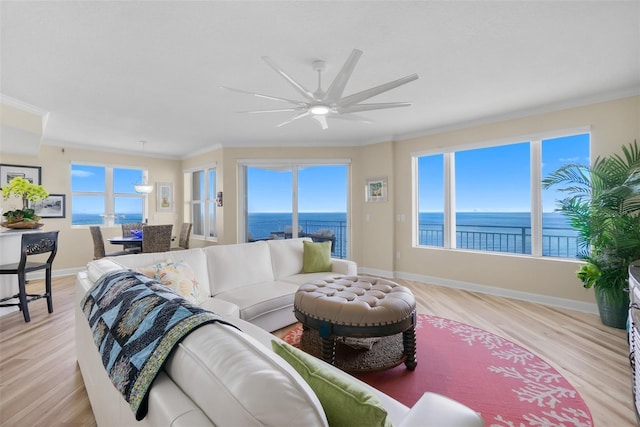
[136, 322]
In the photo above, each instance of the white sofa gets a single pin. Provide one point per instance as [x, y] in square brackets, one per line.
[224, 377]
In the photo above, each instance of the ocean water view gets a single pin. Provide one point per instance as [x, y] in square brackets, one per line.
[508, 232]
[93, 219]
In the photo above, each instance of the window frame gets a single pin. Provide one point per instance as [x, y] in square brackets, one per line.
[109, 195]
[535, 159]
[295, 164]
[209, 205]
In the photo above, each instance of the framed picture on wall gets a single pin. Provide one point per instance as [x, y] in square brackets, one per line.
[164, 196]
[31, 173]
[53, 206]
[376, 190]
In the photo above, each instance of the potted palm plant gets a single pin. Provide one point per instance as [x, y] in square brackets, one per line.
[603, 206]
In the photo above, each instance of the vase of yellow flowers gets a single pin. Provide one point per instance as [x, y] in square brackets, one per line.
[27, 192]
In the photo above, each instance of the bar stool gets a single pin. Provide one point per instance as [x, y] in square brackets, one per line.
[32, 244]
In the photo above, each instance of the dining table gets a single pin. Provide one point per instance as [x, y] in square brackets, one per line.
[130, 240]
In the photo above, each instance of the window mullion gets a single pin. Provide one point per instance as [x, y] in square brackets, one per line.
[536, 198]
[109, 202]
[449, 201]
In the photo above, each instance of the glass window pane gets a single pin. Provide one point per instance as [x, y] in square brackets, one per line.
[493, 199]
[87, 210]
[198, 219]
[125, 179]
[431, 200]
[86, 178]
[213, 231]
[212, 184]
[559, 239]
[197, 185]
[128, 209]
[269, 202]
[322, 205]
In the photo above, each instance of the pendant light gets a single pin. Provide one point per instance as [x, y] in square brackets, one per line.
[144, 187]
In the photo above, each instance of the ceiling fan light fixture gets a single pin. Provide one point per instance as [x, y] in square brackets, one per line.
[144, 187]
[319, 110]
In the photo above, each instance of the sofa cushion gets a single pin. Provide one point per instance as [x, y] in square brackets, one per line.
[237, 381]
[343, 400]
[194, 257]
[256, 300]
[177, 275]
[96, 269]
[286, 256]
[316, 257]
[234, 266]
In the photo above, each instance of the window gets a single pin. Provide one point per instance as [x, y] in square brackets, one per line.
[104, 195]
[202, 201]
[490, 198]
[285, 199]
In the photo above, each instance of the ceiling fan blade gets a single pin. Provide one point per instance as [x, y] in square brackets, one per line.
[259, 95]
[303, 91]
[278, 110]
[368, 93]
[351, 117]
[334, 92]
[294, 118]
[368, 107]
[322, 120]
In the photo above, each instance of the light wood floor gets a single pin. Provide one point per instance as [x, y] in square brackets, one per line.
[41, 385]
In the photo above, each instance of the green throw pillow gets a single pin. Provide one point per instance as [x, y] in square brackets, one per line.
[316, 257]
[345, 402]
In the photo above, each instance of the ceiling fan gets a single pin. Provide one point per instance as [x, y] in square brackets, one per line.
[321, 104]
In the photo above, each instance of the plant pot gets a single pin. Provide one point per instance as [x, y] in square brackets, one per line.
[22, 225]
[613, 312]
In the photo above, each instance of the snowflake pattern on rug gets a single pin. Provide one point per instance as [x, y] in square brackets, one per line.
[540, 384]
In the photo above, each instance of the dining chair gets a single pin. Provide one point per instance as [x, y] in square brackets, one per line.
[98, 244]
[32, 244]
[156, 238]
[126, 232]
[185, 234]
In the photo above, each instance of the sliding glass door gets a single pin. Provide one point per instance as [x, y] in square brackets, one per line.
[284, 201]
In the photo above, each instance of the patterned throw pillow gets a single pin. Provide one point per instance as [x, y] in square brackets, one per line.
[177, 275]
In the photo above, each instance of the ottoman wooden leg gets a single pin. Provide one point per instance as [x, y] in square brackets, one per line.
[409, 344]
[329, 349]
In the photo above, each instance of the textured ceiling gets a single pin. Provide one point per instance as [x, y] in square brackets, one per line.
[111, 74]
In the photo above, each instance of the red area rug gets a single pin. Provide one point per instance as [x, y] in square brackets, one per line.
[507, 384]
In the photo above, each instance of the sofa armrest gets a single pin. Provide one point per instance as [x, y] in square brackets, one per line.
[344, 266]
[434, 410]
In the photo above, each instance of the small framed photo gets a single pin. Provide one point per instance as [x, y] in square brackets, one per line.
[376, 190]
[31, 173]
[164, 196]
[53, 206]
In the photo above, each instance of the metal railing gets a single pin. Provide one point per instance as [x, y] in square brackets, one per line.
[556, 242]
[265, 230]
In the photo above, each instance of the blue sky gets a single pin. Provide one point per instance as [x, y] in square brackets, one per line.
[497, 179]
[87, 178]
[320, 189]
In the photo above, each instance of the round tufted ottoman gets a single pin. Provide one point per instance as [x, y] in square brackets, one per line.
[358, 306]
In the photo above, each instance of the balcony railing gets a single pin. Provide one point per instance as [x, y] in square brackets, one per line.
[556, 242]
[266, 230]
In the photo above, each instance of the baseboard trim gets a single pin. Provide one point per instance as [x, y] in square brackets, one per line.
[490, 290]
